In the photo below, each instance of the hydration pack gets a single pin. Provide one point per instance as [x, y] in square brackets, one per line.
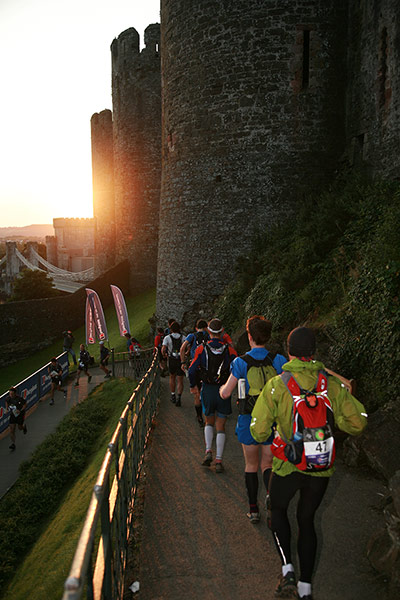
[312, 445]
[176, 346]
[200, 337]
[215, 371]
[259, 371]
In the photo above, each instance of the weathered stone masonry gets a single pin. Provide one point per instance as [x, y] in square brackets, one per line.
[261, 101]
[103, 190]
[253, 117]
[373, 99]
[126, 159]
[136, 89]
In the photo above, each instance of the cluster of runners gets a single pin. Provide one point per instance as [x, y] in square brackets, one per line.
[288, 409]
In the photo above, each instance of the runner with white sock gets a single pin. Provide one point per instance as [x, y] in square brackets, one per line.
[211, 362]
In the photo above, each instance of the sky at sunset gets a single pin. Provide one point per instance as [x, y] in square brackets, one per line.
[55, 70]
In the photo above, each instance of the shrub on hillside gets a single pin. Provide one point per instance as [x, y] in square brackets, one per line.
[337, 260]
[48, 474]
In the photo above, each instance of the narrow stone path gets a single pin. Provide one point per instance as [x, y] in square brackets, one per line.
[196, 542]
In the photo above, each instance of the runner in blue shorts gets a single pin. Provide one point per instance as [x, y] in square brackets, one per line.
[258, 365]
[211, 362]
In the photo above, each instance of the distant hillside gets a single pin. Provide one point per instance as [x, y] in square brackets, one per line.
[29, 231]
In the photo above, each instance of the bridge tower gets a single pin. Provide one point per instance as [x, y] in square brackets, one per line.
[136, 93]
[253, 118]
[32, 247]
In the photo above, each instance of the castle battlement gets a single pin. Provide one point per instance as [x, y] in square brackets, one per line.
[73, 222]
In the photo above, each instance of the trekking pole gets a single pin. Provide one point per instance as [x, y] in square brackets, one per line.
[112, 362]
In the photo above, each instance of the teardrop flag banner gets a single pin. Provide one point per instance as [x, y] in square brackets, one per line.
[89, 324]
[121, 310]
[95, 320]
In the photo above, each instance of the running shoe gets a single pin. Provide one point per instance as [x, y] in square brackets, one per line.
[25, 430]
[178, 401]
[219, 467]
[286, 587]
[254, 517]
[308, 597]
[207, 459]
[12, 447]
[52, 402]
[173, 398]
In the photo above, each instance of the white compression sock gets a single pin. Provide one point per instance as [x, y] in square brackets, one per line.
[303, 588]
[287, 568]
[208, 436]
[220, 444]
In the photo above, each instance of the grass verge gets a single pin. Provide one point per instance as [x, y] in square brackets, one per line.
[42, 515]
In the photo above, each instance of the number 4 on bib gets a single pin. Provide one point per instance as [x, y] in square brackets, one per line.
[312, 445]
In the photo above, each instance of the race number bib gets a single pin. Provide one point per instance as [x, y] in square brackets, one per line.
[318, 447]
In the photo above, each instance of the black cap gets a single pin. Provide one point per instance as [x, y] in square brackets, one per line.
[301, 342]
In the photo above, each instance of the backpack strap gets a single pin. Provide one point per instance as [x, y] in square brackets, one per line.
[254, 362]
[291, 384]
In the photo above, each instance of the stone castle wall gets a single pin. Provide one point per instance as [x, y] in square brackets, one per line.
[75, 243]
[373, 102]
[262, 101]
[136, 92]
[253, 117]
[103, 191]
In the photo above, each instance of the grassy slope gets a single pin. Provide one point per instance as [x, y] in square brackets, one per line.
[43, 572]
[140, 308]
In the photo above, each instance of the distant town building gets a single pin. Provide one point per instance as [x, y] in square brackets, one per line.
[72, 246]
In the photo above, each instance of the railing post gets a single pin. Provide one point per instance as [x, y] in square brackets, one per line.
[106, 537]
[112, 362]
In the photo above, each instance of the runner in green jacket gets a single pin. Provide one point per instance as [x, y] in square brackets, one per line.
[275, 404]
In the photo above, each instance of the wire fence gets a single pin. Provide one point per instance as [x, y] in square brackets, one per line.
[99, 563]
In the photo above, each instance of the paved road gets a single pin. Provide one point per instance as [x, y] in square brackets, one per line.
[42, 421]
[197, 543]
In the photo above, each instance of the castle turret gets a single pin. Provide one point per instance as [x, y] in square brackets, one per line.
[103, 191]
[136, 90]
[253, 118]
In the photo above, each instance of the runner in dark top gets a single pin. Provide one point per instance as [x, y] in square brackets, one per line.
[16, 406]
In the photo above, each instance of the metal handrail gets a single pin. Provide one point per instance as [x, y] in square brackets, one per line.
[112, 502]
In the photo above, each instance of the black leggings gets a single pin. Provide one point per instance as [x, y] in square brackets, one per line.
[282, 490]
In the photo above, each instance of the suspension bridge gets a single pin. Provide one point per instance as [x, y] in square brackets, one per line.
[13, 261]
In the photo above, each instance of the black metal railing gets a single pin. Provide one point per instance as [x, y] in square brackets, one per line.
[126, 364]
[100, 558]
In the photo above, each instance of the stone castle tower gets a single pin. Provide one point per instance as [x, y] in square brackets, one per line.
[261, 101]
[253, 118]
[103, 191]
[126, 159]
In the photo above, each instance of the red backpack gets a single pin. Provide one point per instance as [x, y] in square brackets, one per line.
[312, 445]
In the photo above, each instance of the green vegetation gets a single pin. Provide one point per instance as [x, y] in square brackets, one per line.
[335, 266]
[42, 515]
[31, 285]
[140, 309]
